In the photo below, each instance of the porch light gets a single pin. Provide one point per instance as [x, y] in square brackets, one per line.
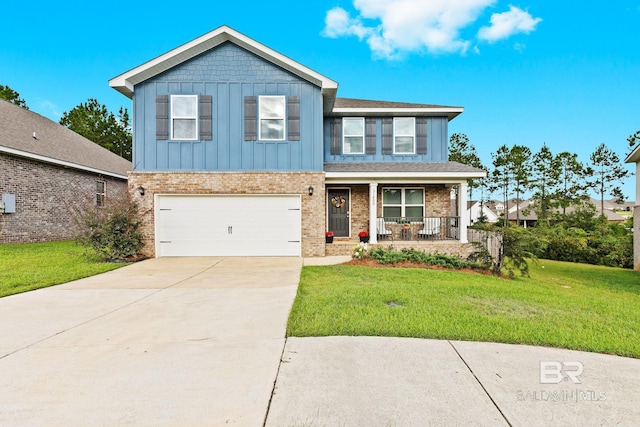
[141, 190]
[310, 190]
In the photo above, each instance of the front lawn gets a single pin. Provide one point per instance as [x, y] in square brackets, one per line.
[574, 306]
[38, 265]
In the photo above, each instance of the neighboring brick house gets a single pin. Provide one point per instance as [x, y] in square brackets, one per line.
[240, 150]
[44, 169]
[634, 157]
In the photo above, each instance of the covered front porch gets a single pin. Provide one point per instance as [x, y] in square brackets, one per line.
[419, 205]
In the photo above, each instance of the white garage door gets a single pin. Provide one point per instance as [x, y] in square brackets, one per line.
[194, 225]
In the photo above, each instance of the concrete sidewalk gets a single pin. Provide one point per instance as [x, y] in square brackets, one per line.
[376, 381]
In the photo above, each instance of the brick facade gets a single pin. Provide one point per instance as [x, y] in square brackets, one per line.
[313, 207]
[636, 237]
[44, 193]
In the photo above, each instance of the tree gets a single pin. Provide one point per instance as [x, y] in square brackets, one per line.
[12, 96]
[93, 121]
[512, 167]
[571, 179]
[461, 151]
[501, 177]
[607, 174]
[633, 139]
[546, 174]
[520, 159]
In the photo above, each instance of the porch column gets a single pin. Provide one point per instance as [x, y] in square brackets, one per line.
[462, 211]
[373, 212]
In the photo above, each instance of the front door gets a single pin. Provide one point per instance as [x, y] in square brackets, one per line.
[339, 212]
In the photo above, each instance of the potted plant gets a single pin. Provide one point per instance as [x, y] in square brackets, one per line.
[328, 236]
[364, 236]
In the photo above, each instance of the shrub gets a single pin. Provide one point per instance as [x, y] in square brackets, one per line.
[390, 256]
[111, 231]
[359, 251]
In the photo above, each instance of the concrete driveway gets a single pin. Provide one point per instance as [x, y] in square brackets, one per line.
[169, 341]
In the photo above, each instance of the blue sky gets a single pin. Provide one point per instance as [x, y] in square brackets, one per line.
[526, 72]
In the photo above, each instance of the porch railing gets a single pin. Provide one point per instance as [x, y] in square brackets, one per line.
[417, 228]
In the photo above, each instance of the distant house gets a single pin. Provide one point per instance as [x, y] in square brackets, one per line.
[523, 212]
[634, 157]
[45, 168]
[477, 209]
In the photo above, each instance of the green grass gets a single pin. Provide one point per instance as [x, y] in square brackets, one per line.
[38, 265]
[574, 306]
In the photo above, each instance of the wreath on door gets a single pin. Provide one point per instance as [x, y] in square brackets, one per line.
[338, 201]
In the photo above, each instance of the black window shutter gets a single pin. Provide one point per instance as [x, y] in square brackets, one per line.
[421, 135]
[162, 117]
[336, 135]
[250, 118]
[387, 135]
[293, 118]
[206, 131]
[370, 135]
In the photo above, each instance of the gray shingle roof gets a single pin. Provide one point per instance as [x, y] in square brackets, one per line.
[364, 103]
[398, 167]
[54, 142]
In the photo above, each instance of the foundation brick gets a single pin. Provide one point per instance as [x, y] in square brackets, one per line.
[313, 207]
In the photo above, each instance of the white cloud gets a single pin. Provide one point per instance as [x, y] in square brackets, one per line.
[504, 25]
[49, 109]
[393, 28]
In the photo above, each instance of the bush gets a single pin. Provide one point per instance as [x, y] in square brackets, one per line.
[390, 256]
[111, 231]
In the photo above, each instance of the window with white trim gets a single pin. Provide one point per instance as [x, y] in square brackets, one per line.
[403, 202]
[271, 116]
[353, 136]
[101, 192]
[184, 117]
[404, 135]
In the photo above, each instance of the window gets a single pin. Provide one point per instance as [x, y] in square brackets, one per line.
[272, 116]
[403, 202]
[404, 135]
[353, 136]
[184, 117]
[101, 192]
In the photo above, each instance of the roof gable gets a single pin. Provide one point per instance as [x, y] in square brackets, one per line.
[634, 156]
[28, 134]
[125, 83]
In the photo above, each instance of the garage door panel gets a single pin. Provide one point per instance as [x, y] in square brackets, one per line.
[228, 225]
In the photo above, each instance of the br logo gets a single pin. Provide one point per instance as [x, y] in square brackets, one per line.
[552, 372]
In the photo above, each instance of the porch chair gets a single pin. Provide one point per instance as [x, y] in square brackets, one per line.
[381, 230]
[431, 228]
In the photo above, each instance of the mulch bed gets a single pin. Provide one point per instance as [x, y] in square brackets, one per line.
[370, 262]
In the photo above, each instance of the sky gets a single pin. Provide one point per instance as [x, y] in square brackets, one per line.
[562, 73]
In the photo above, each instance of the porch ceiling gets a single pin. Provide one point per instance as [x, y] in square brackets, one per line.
[435, 172]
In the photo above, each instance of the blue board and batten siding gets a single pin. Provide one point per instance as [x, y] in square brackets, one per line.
[437, 145]
[227, 73]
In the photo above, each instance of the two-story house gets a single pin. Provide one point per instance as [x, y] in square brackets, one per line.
[239, 150]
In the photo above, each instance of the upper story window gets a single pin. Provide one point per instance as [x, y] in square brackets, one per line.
[101, 192]
[272, 117]
[404, 135]
[353, 136]
[184, 117]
